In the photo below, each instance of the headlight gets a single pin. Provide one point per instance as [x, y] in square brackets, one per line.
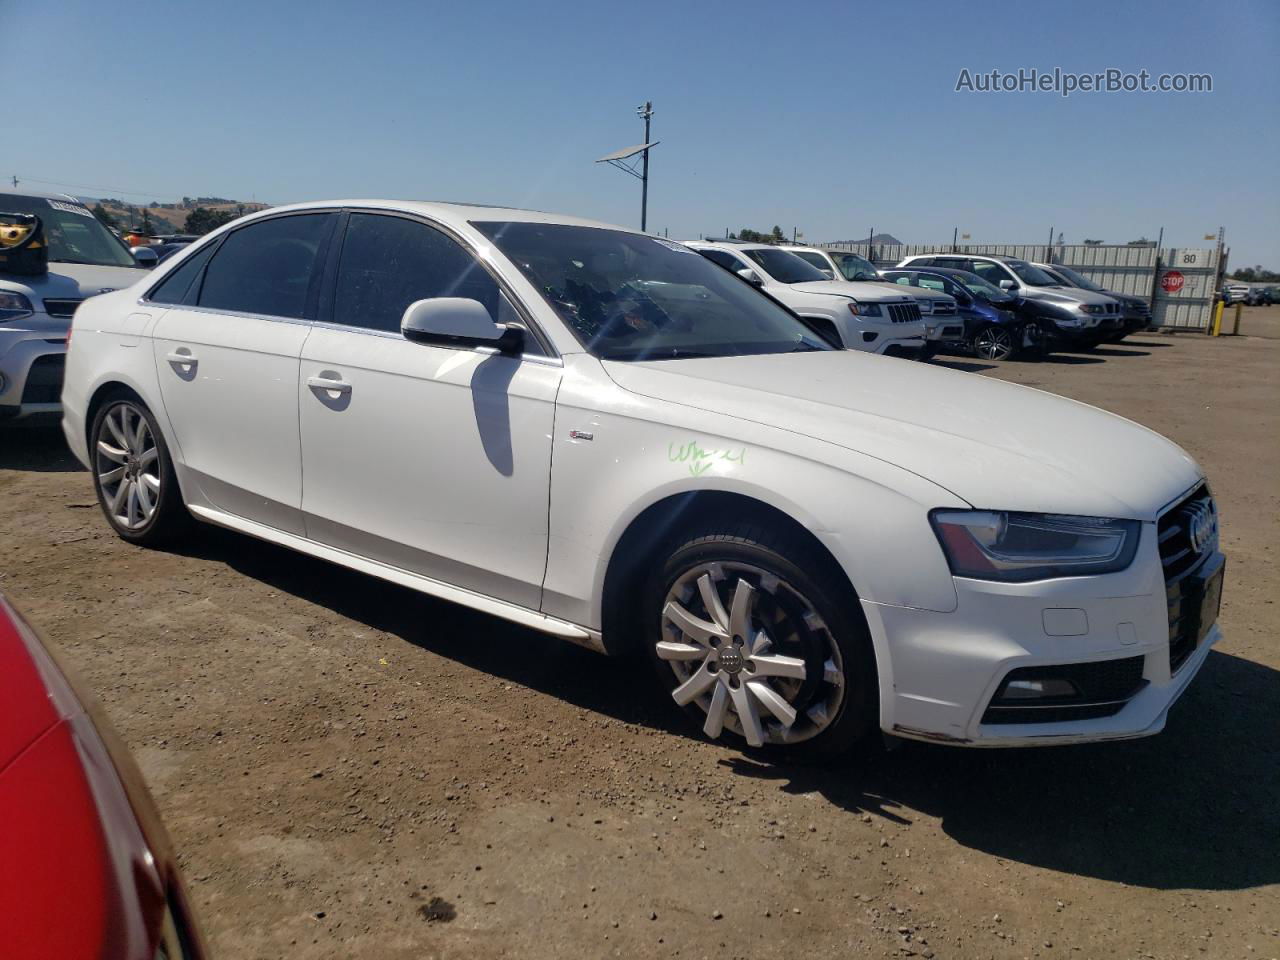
[1090, 308]
[14, 306]
[1016, 547]
[865, 309]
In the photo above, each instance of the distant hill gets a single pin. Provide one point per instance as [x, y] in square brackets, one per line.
[169, 217]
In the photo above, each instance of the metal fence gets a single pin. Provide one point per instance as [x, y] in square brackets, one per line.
[1179, 282]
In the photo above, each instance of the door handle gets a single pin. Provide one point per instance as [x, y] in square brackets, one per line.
[329, 383]
[183, 357]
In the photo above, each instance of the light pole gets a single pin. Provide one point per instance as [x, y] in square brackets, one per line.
[645, 112]
[625, 160]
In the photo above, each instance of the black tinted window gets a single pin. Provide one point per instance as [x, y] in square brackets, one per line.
[266, 267]
[389, 262]
[178, 286]
[727, 260]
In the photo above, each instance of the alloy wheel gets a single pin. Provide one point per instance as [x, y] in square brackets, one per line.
[993, 343]
[752, 652]
[127, 463]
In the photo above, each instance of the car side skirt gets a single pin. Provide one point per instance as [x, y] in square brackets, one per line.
[563, 629]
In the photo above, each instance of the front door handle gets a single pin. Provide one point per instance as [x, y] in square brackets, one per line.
[183, 357]
[329, 383]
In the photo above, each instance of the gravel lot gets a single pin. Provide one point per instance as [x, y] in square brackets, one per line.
[351, 770]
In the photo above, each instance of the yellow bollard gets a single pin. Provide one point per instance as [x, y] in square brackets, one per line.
[1215, 326]
[1235, 330]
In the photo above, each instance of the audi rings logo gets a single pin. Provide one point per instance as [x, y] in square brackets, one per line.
[1202, 525]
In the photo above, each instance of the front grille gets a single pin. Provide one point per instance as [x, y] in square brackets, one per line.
[1178, 554]
[1188, 571]
[904, 312]
[44, 379]
[61, 308]
[1103, 688]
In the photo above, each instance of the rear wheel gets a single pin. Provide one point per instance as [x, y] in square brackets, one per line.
[751, 636]
[133, 475]
[995, 342]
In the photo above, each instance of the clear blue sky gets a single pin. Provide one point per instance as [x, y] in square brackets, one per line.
[833, 117]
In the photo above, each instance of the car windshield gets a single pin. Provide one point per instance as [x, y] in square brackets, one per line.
[855, 267]
[785, 267]
[1032, 276]
[74, 234]
[627, 296]
[1076, 279]
[981, 288]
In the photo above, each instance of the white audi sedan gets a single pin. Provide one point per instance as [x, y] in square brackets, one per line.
[604, 436]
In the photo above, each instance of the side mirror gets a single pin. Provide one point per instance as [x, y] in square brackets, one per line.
[964, 299]
[458, 322]
[749, 275]
[144, 256]
[1008, 285]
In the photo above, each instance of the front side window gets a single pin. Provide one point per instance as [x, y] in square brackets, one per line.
[817, 260]
[854, 267]
[266, 268]
[1033, 276]
[389, 262]
[931, 283]
[783, 266]
[628, 296]
[991, 272]
[73, 233]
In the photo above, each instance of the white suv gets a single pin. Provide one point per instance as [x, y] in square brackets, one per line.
[943, 325]
[601, 435]
[865, 316]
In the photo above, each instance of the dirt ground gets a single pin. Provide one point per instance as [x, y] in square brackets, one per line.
[351, 770]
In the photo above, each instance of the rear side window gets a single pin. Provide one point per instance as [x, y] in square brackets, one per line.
[727, 260]
[179, 285]
[267, 267]
[389, 262]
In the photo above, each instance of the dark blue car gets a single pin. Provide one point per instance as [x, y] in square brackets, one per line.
[996, 325]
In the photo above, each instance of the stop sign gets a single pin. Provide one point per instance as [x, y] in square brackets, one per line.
[1171, 282]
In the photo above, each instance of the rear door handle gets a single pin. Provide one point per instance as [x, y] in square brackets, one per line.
[329, 383]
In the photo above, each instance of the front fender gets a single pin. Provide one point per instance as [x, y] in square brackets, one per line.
[870, 515]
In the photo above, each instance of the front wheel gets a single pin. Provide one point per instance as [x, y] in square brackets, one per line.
[133, 474]
[752, 637]
[994, 342]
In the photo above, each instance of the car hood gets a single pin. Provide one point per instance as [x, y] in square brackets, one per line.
[916, 293]
[72, 281]
[854, 289]
[997, 445]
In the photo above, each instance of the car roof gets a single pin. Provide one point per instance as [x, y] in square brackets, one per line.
[40, 195]
[450, 211]
[734, 245]
[949, 271]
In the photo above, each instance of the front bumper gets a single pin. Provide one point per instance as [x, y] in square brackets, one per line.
[32, 353]
[941, 671]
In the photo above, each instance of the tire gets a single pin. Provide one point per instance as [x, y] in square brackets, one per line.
[927, 352]
[817, 665]
[995, 342]
[1034, 340]
[133, 474]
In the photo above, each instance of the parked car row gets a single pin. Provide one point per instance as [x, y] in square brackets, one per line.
[996, 308]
